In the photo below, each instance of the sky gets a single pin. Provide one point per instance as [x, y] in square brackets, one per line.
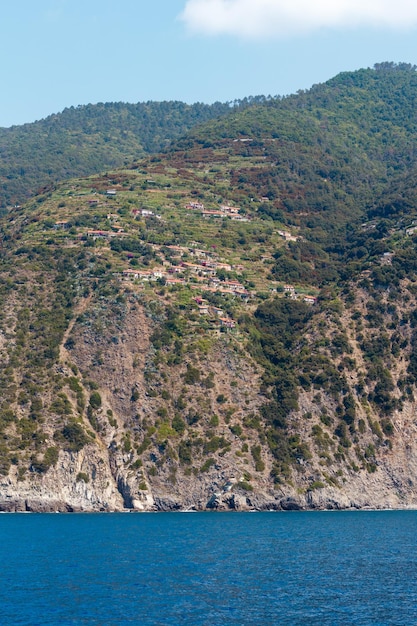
[61, 53]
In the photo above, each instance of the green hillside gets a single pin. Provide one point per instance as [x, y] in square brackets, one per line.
[87, 139]
[229, 324]
[327, 151]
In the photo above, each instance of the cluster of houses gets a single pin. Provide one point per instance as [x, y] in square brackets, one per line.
[188, 274]
[209, 260]
[215, 312]
[190, 265]
[291, 292]
[201, 274]
[224, 211]
[145, 213]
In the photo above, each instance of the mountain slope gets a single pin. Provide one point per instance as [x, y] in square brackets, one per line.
[198, 331]
[329, 150]
[88, 139]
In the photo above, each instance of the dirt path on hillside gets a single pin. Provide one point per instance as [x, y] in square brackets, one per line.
[79, 310]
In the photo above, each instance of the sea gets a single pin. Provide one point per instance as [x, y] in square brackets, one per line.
[281, 568]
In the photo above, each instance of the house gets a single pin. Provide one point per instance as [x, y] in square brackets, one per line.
[222, 266]
[212, 214]
[175, 281]
[231, 210]
[175, 269]
[196, 206]
[386, 258]
[240, 218]
[193, 267]
[199, 253]
[235, 286]
[227, 322]
[130, 274]
[62, 225]
[310, 299]
[289, 289]
[177, 250]
[287, 236]
[106, 234]
[99, 234]
[145, 275]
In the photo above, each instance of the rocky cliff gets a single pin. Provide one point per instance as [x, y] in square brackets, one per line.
[231, 325]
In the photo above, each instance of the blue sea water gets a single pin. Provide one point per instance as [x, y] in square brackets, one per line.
[209, 568]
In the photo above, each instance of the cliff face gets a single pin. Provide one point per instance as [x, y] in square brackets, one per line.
[183, 435]
[134, 458]
[112, 487]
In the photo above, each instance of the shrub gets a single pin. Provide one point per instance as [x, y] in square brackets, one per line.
[209, 463]
[178, 424]
[214, 444]
[192, 375]
[74, 437]
[387, 426]
[243, 484]
[95, 400]
[317, 484]
[51, 456]
[256, 454]
[184, 452]
[135, 395]
[236, 430]
[82, 476]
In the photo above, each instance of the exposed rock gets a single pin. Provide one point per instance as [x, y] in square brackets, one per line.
[291, 504]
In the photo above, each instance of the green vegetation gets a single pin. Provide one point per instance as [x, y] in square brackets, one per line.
[249, 294]
[88, 139]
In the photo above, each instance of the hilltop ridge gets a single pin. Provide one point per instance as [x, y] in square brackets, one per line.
[88, 139]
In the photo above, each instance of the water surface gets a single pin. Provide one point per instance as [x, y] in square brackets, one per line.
[290, 568]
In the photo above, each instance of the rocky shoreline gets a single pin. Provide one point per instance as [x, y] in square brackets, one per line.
[217, 503]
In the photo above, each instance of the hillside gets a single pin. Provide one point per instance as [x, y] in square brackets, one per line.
[230, 324]
[88, 139]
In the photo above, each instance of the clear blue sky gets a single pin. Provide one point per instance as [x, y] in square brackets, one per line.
[61, 53]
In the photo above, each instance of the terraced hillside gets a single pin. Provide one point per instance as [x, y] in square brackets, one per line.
[88, 139]
[194, 331]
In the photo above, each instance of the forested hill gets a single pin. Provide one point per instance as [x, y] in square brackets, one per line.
[329, 152]
[355, 128]
[231, 323]
[88, 139]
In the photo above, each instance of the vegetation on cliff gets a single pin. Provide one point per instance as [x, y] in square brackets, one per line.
[242, 306]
